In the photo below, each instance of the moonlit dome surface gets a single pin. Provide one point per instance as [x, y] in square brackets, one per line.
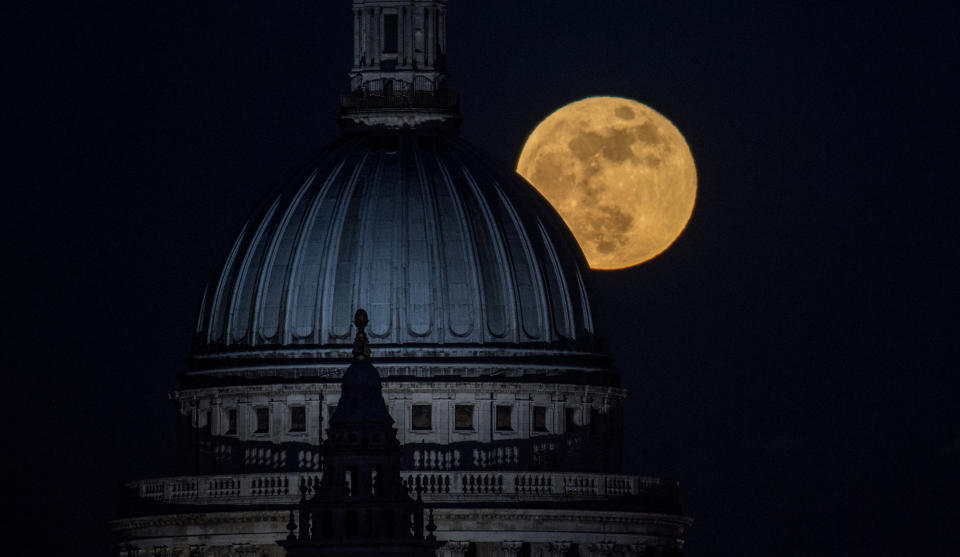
[445, 251]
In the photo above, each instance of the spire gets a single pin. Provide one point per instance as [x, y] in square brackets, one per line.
[398, 79]
[362, 506]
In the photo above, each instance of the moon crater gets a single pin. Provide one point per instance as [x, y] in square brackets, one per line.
[619, 173]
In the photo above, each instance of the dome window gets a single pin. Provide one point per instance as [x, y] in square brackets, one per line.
[463, 417]
[231, 419]
[571, 418]
[298, 419]
[504, 417]
[263, 420]
[421, 417]
[540, 419]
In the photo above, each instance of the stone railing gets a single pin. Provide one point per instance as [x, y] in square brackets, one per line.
[435, 485]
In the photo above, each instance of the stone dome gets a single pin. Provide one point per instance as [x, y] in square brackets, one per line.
[449, 254]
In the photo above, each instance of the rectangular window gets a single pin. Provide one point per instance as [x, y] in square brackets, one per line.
[331, 410]
[504, 415]
[571, 418]
[298, 418]
[540, 418]
[390, 33]
[263, 420]
[422, 416]
[231, 421]
[463, 417]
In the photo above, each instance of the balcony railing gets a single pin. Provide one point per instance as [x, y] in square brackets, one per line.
[399, 99]
[436, 486]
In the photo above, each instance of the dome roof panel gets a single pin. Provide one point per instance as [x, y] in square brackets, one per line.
[442, 248]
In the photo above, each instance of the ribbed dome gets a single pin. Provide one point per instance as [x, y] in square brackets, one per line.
[440, 247]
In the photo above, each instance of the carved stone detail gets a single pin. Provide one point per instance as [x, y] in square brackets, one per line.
[456, 549]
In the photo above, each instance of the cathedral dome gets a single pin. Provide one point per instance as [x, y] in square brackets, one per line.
[449, 254]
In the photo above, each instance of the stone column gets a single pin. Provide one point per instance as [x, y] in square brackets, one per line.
[356, 38]
[216, 417]
[401, 40]
[429, 38]
[442, 29]
[408, 25]
[314, 411]
[511, 548]
[456, 549]
[369, 37]
[377, 35]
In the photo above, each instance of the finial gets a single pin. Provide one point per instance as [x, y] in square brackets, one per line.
[292, 527]
[361, 346]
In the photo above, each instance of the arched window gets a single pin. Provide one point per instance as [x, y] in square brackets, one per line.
[376, 481]
[390, 33]
[349, 482]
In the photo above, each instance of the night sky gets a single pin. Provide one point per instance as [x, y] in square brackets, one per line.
[792, 358]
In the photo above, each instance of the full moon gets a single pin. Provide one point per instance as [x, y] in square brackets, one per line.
[619, 173]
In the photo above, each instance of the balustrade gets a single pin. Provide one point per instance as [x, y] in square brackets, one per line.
[554, 454]
[436, 485]
[436, 459]
[184, 489]
[265, 486]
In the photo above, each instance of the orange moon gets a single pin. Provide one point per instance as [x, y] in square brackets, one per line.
[619, 173]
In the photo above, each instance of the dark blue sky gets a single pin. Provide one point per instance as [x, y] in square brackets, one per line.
[792, 357]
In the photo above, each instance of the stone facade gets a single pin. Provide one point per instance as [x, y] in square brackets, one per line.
[501, 425]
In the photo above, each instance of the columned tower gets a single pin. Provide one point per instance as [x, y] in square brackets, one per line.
[398, 78]
[399, 39]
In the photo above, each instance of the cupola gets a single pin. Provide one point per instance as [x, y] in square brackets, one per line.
[398, 78]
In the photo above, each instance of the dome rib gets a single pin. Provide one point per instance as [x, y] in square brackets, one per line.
[333, 235]
[457, 239]
[494, 274]
[587, 313]
[241, 306]
[528, 275]
[304, 275]
[381, 235]
[420, 280]
[342, 295]
[556, 282]
[218, 313]
[274, 278]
